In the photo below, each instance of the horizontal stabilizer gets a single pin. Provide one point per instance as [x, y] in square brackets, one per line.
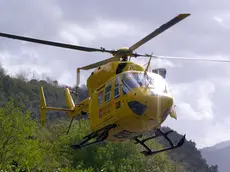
[44, 107]
[72, 109]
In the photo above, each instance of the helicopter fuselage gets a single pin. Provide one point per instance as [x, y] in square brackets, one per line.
[137, 102]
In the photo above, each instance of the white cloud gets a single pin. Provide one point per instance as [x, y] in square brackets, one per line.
[185, 111]
[69, 37]
[218, 19]
[74, 34]
[215, 132]
[194, 100]
[98, 29]
[223, 19]
[113, 29]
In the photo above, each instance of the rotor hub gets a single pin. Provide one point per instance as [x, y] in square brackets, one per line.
[124, 51]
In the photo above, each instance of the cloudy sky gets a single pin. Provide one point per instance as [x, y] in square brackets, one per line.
[201, 89]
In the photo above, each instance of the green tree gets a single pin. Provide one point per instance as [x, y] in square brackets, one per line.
[16, 138]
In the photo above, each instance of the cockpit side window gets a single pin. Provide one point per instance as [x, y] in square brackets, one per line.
[108, 92]
[132, 80]
[117, 87]
[128, 82]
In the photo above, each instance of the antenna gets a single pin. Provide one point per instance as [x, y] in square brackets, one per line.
[147, 67]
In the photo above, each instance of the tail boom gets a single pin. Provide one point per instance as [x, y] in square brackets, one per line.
[72, 109]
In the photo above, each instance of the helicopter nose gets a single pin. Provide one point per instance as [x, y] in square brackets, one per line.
[153, 104]
[161, 98]
[160, 105]
[167, 101]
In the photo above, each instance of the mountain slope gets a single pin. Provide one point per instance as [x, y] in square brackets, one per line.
[218, 154]
[217, 146]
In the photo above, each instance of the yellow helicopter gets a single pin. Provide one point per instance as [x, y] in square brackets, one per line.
[125, 100]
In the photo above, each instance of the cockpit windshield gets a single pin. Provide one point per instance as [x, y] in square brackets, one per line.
[153, 81]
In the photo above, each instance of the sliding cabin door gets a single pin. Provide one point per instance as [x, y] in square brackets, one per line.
[110, 101]
[105, 100]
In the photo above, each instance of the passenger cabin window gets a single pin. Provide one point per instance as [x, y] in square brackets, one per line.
[117, 87]
[108, 92]
[100, 98]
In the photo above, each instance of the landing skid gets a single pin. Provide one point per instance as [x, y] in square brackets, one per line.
[159, 133]
[100, 136]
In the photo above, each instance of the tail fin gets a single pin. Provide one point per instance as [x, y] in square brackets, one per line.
[42, 106]
[69, 101]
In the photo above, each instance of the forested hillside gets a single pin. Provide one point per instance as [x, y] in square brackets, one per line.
[27, 146]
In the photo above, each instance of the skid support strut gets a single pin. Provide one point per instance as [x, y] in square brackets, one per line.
[159, 133]
[100, 136]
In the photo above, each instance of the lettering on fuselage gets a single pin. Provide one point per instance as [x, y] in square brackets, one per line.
[125, 134]
[104, 111]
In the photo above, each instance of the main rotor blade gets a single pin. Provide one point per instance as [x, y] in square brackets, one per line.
[183, 58]
[56, 44]
[159, 30]
[100, 63]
